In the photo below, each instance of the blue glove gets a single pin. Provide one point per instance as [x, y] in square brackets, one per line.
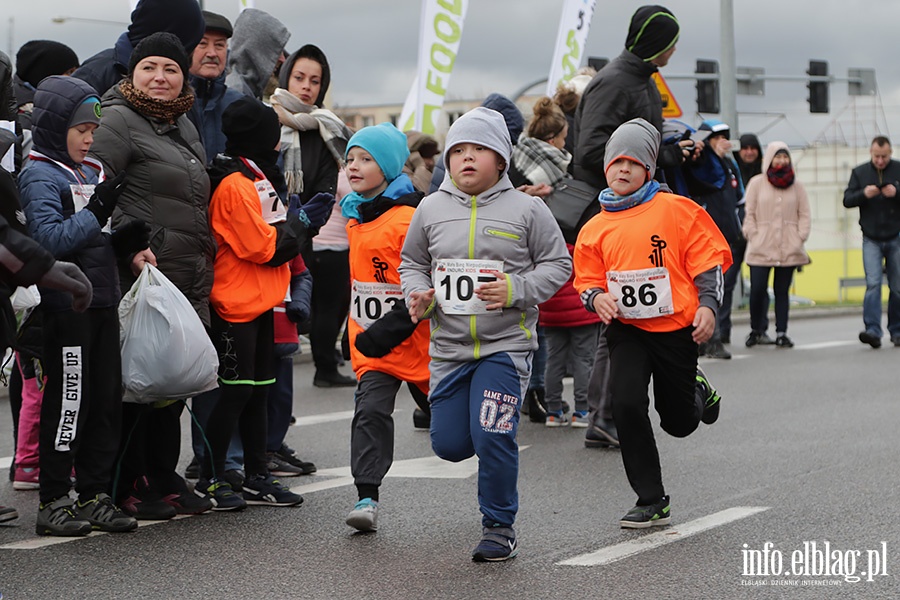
[298, 309]
[294, 209]
[318, 209]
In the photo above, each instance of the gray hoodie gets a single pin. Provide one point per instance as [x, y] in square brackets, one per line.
[500, 224]
[257, 43]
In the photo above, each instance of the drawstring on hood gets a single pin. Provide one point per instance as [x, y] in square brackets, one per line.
[56, 102]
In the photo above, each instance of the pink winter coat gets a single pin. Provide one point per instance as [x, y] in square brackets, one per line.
[777, 221]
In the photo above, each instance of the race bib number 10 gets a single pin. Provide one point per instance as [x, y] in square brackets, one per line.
[642, 294]
[455, 282]
[370, 301]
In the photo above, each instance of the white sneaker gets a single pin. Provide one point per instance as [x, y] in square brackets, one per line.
[364, 516]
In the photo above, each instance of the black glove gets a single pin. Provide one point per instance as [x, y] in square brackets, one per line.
[105, 196]
[131, 237]
[318, 209]
[67, 277]
[386, 333]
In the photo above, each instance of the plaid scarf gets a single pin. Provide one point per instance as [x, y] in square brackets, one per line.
[164, 110]
[296, 117]
[782, 177]
[539, 161]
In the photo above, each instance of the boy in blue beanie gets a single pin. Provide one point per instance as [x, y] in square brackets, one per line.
[68, 212]
[386, 346]
[478, 258]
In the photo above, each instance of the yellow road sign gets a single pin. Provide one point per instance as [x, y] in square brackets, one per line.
[671, 110]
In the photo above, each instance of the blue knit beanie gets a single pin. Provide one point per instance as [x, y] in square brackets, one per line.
[386, 144]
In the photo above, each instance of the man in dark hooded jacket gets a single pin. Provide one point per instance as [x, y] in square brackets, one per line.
[624, 90]
[108, 67]
[749, 157]
[257, 48]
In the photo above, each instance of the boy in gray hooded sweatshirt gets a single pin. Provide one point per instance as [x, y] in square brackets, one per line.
[478, 258]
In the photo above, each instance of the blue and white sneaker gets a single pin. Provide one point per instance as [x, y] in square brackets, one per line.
[364, 516]
[497, 544]
[268, 491]
[556, 418]
[580, 419]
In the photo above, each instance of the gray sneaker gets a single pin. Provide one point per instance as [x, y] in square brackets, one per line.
[282, 468]
[364, 516]
[103, 515]
[59, 518]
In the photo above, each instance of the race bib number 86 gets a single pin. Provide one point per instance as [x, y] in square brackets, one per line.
[643, 293]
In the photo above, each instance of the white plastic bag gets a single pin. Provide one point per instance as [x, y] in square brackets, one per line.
[166, 352]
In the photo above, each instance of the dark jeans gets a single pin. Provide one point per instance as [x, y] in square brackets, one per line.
[330, 270]
[281, 396]
[759, 297]
[723, 318]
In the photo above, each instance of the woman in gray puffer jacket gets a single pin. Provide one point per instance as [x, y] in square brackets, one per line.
[146, 133]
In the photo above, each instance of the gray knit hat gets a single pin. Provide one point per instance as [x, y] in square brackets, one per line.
[636, 140]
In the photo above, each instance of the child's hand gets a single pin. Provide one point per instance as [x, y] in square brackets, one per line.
[605, 306]
[494, 292]
[419, 303]
[704, 324]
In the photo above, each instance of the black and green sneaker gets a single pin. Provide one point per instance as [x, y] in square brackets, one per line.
[103, 515]
[59, 518]
[711, 398]
[653, 515]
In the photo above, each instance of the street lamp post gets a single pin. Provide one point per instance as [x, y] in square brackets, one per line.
[64, 19]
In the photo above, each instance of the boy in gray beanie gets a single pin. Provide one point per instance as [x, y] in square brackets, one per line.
[478, 258]
[650, 265]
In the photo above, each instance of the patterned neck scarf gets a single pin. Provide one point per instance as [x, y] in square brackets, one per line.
[782, 177]
[164, 110]
[540, 161]
[614, 203]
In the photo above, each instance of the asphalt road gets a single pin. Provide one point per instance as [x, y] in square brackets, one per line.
[800, 470]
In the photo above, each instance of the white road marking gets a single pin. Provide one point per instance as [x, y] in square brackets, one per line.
[820, 345]
[427, 467]
[661, 537]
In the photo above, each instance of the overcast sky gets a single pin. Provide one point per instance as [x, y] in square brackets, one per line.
[506, 44]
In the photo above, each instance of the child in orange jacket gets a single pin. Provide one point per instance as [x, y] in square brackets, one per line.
[386, 347]
[650, 265]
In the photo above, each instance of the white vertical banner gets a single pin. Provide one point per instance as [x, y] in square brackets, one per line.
[439, 35]
[242, 4]
[568, 52]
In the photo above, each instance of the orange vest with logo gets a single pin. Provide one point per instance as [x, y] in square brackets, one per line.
[668, 231]
[374, 257]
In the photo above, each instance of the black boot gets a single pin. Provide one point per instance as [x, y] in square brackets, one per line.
[537, 406]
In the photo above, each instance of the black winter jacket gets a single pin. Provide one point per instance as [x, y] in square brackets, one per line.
[167, 187]
[620, 91]
[879, 217]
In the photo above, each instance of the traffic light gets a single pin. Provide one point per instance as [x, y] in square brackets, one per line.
[597, 62]
[708, 89]
[818, 90]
